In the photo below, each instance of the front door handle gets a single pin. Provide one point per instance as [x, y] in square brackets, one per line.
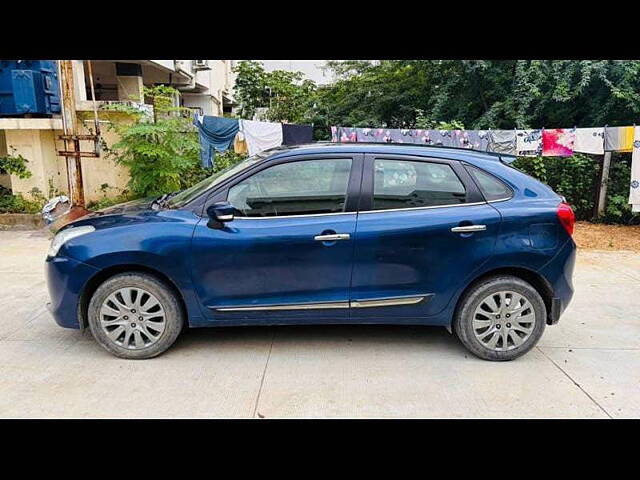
[469, 228]
[332, 237]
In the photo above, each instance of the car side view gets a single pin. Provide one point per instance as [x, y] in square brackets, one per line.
[325, 234]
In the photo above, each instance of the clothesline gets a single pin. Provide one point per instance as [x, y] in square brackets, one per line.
[562, 142]
[218, 134]
[554, 142]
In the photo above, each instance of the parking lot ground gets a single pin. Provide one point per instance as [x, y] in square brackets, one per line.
[587, 366]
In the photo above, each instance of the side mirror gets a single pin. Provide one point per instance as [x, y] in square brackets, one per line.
[220, 212]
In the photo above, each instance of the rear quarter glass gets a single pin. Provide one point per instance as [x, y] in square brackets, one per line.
[523, 185]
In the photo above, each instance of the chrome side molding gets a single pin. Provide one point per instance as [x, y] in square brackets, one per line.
[388, 302]
[292, 306]
[363, 303]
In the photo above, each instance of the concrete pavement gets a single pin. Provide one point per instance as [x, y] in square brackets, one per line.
[587, 366]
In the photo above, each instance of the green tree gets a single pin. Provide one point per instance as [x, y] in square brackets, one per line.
[287, 96]
[481, 93]
[157, 151]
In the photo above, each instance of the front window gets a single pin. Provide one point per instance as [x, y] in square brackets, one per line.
[295, 188]
[194, 191]
[408, 184]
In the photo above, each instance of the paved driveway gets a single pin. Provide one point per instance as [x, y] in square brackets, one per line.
[588, 366]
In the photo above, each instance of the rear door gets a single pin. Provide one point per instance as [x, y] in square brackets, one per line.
[423, 229]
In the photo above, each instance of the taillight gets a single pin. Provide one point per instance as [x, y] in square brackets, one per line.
[567, 217]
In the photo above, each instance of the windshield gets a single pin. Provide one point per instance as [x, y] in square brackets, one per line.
[185, 196]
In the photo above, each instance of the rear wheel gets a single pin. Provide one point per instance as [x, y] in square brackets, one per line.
[500, 318]
[135, 316]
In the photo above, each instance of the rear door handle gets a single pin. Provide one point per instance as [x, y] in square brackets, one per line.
[332, 237]
[469, 228]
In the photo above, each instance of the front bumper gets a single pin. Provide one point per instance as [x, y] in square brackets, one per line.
[66, 279]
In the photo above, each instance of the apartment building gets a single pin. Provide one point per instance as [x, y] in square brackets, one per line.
[205, 85]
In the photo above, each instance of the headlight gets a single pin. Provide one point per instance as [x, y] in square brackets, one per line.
[67, 235]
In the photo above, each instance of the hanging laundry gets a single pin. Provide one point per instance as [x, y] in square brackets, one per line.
[334, 134]
[240, 144]
[216, 134]
[296, 134]
[369, 134]
[382, 135]
[558, 142]
[618, 139]
[346, 134]
[502, 141]
[472, 139]
[440, 138]
[397, 135]
[634, 187]
[261, 135]
[589, 140]
[417, 134]
[529, 143]
[405, 135]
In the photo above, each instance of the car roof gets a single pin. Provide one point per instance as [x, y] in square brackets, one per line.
[453, 153]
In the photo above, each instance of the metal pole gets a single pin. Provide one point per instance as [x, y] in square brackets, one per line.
[604, 180]
[70, 124]
[95, 110]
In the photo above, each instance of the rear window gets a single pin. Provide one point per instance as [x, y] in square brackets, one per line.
[492, 188]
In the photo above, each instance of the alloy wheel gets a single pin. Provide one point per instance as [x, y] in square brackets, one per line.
[504, 320]
[132, 318]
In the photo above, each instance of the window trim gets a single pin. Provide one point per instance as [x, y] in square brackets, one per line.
[467, 166]
[474, 196]
[353, 183]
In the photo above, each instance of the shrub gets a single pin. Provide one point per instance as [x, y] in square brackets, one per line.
[576, 178]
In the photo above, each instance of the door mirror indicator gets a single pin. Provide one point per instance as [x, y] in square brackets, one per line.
[220, 212]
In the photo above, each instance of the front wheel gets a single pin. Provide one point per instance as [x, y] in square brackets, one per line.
[500, 318]
[134, 315]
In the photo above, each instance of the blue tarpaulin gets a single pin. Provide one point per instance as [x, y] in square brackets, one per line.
[216, 134]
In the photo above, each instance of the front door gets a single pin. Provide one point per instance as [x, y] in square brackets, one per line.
[288, 253]
[422, 230]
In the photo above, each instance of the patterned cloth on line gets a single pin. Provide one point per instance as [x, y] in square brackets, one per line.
[618, 139]
[529, 143]
[502, 141]
[558, 142]
[346, 134]
[589, 140]
[634, 186]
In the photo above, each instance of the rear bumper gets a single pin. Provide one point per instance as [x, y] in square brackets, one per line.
[66, 279]
[556, 310]
[559, 273]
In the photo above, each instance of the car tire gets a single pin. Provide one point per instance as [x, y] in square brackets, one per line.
[498, 312]
[124, 319]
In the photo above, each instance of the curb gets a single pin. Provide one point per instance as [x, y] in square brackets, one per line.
[21, 221]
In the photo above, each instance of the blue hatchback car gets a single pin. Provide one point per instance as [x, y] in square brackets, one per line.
[325, 233]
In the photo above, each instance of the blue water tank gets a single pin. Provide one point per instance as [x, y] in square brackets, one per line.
[29, 87]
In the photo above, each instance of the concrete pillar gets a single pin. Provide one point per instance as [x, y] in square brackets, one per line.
[79, 82]
[130, 88]
[130, 84]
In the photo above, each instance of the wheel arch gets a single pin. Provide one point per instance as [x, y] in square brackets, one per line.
[536, 280]
[94, 282]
